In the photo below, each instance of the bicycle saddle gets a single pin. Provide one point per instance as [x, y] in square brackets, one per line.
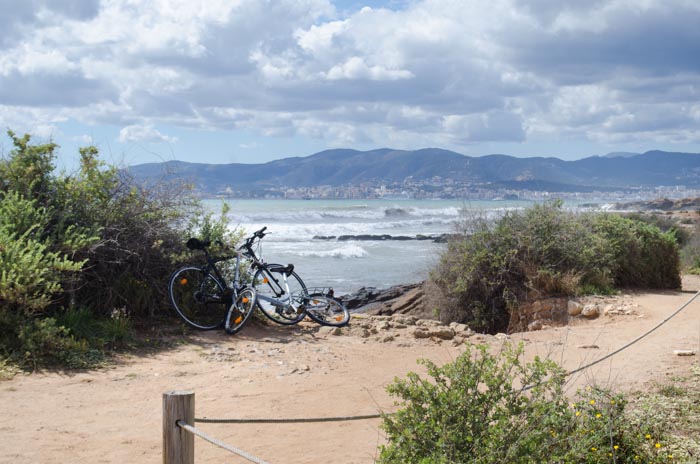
[197, 244]
[288, 269]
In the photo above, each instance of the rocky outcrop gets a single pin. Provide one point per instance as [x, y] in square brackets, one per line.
[401, 328]
[399, 299]
[547, 312]
[439, 238]
[410, 301]
[661, 204]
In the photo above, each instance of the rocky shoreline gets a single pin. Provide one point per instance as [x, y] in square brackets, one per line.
[408, 300]
[399, 299]
[439, 238]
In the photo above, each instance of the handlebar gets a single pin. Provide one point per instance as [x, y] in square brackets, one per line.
[196, 244]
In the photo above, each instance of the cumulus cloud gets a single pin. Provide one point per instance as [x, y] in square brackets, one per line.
[432, 72]
[145, 133]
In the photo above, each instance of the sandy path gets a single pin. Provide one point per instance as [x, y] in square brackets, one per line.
[114, 415]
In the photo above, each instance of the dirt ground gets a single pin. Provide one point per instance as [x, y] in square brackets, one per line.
[114, 414]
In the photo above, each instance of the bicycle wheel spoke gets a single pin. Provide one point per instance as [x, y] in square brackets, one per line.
[199, 299]
[274, 301]
[326, 310]
[240, 311]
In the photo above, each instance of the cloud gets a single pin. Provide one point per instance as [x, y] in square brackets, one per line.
[145, 133]
[431, 72]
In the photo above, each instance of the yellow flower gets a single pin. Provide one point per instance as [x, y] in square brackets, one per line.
[612, 401]
[658, 445]
[598, 416]
[670, 456]
[592, 401]
[616, 447]
[594, 449]
[647, 436]
[578, 413]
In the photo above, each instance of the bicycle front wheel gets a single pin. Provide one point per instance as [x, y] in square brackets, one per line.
[279, 305]
[326, 310]
[199, 298]
[241, 310]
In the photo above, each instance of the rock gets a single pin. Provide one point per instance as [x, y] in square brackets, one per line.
[387, 338]
[421, 332]
[590, 311]
[384, 325]
[684, 352]
[443, 333]
[325, 330]
[574, 308]
[408, 300]
[457, 327]
[588, 347]
[535, 325]
[403, 299]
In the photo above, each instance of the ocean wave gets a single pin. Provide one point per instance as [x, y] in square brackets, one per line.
[344, 214]
[397, 212]
[344, 252]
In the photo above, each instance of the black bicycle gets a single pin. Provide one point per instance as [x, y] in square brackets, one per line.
[283, 297]
[202, 297]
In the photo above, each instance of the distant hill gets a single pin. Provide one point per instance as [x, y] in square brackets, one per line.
[385, 166]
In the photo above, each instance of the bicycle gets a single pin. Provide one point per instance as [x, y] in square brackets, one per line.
[202, 298]
[284, 298]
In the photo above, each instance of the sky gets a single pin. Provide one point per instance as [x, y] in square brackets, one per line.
[250, 81]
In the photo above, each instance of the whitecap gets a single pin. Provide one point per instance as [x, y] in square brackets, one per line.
[344, 252]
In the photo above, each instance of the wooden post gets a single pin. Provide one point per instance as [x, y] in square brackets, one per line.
[178, 444]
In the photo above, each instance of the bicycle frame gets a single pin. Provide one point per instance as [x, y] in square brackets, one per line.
[278, 290]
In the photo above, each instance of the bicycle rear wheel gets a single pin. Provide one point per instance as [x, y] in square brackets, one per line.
[274, 301]
[241, 310]
[199, 298]
[326, 310]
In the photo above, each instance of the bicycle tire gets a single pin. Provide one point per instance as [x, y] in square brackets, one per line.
[198, 298]
[268, 284]
[326, 310]
[241, 310]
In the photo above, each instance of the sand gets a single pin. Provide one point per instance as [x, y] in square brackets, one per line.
[114, 414]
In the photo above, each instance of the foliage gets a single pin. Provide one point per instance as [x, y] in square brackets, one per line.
[475, 409]
[75, 248]
[546, 251]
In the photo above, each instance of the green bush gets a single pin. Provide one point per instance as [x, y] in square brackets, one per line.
[43, 343]
[75, 248]
[545, 251]
[476, 410]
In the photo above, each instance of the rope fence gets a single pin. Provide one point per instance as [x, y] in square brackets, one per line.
[220, 444]
[204, 420]
[178, 412]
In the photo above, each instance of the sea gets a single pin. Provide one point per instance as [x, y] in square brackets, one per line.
[306, 233]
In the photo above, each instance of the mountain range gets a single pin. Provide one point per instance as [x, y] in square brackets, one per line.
[346, 167]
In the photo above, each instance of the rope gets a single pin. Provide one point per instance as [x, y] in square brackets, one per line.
[625, 346]
[648, 332]
[219, 443]
[375, 416]
[204, 420]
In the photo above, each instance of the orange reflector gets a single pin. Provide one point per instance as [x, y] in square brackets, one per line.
[245, 300]
[338, 318]
[315, 301]
[265, 280]
[238, 320]
[183, 281]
